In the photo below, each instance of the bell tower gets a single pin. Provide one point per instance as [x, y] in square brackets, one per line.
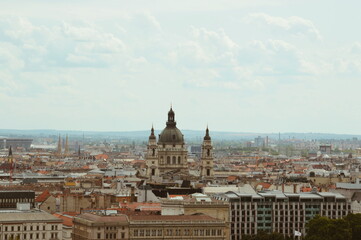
[152, 156]
[207, 157]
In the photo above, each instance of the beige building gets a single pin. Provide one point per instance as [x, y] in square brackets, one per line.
[207, 171]
[196, 203]
[90, 226]
[29, 224]
[168, 157]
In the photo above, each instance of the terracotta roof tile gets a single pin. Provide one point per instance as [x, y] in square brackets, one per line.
[42, 197]
[67, 220]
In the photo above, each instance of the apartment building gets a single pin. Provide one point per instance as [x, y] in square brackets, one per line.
[275, 211]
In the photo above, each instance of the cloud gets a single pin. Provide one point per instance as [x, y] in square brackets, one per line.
[294, 25]
[10, 57]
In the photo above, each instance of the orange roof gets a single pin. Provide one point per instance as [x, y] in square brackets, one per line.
[42, 197]
[101, 156]
[306, 189]
[172, 196]
[67, 220]
[231, 178]
[73, 214]
[264, 185]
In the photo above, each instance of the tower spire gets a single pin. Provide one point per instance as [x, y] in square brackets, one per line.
[59, 146]
[152, 136]
[10, 152]
[171, 118]
[66, 149]
[207, 137]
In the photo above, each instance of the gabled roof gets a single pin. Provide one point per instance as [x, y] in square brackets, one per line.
[43, 196]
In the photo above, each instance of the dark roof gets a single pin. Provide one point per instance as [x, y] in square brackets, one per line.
[356, 196]
[171, 134]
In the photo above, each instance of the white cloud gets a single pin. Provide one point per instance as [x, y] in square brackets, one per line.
[10, 57]
[294, 25]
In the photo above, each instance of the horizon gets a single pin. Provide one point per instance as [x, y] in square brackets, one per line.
[66, 132]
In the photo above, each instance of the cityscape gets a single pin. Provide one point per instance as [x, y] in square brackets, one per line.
[226, 120]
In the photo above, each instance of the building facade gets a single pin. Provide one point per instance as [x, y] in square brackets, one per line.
[15, 143]
[90, 226]
[207, 171]
[29, 224]
[10, 199]
[167, 157]
[285, 213]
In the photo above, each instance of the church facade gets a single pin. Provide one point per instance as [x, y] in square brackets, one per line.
[167, 155]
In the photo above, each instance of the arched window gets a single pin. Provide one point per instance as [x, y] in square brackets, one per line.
[208, 152]
[153, 152]
[179, 160]
[168, 160]
[174, 160]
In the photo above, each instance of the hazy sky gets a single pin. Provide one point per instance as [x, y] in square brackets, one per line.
[252, 66]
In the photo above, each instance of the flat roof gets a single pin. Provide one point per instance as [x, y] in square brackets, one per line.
[27, 216]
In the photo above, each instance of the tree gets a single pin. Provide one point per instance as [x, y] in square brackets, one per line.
[324, 228]
[318, 228]
[355, 224]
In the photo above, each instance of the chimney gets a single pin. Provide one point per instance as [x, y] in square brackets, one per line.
[294, 188]
[283, 187]
[132, 194]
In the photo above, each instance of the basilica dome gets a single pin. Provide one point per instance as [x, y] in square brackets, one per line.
[171, 134]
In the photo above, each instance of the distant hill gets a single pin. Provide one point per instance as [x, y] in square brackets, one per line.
[189, 134]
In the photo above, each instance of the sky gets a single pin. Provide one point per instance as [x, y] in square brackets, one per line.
[245, 66]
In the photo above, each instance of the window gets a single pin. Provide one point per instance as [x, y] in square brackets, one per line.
[174, 160]
[168, 160]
